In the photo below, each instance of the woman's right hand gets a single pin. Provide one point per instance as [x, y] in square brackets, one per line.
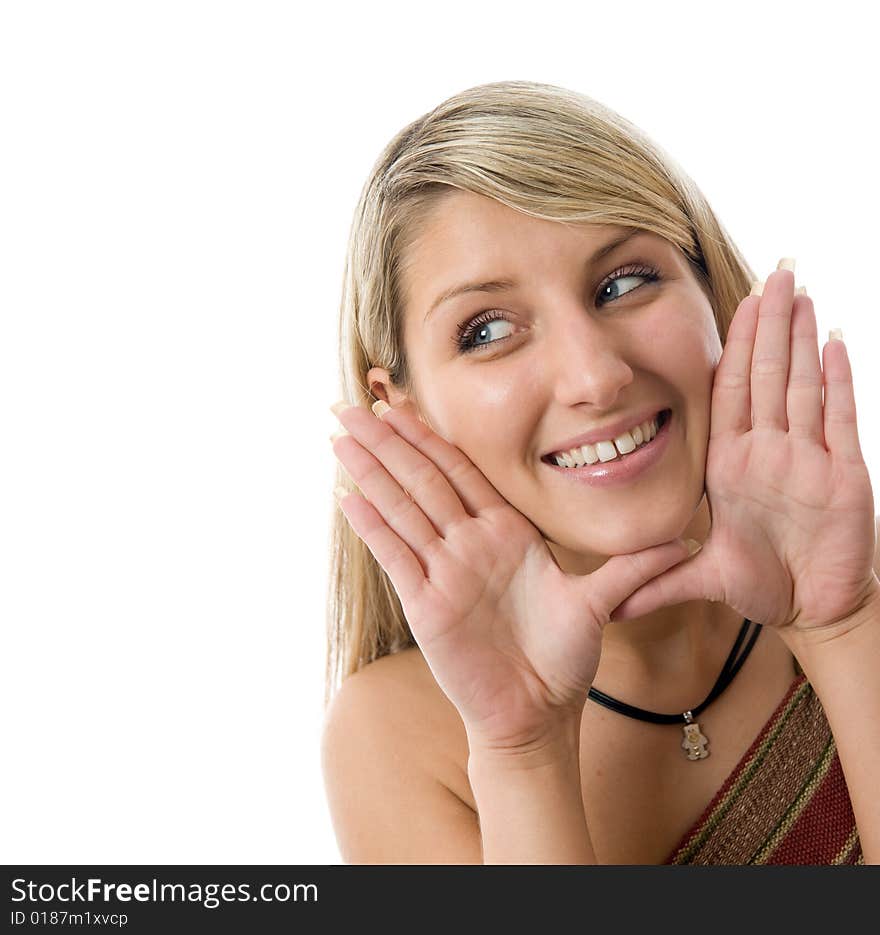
[512, 640]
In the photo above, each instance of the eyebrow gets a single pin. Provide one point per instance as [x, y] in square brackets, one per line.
[500, 285]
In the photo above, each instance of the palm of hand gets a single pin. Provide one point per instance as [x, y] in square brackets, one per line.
[508, 631]
[792, 536]
[789, 544]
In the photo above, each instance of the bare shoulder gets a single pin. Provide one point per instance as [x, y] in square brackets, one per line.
[397, 696]
[393, 755]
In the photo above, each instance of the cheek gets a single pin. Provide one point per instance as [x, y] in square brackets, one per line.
[711, 341]
[705, 329]
[489, 420]
[706, 350]
[686, 339]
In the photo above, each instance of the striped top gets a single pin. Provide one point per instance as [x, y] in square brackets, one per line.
[786, 802]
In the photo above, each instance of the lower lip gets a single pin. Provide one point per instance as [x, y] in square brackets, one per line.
[621, 470]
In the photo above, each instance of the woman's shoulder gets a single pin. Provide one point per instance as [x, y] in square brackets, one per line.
[399, 687]
[394, 707]
[394, 762]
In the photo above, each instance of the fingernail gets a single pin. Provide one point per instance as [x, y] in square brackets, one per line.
[340, 492]
[757, 288]
[835, 334]
[787, 262]
[801, 290]
[336, 435]
[380, 407]
[693, 546]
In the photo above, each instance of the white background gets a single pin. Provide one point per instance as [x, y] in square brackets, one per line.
[177, 182]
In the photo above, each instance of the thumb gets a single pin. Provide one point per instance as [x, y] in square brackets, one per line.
[621, 575]
[683, 582]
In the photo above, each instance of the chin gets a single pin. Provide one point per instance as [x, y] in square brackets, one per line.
[664, 529]
[624, 545]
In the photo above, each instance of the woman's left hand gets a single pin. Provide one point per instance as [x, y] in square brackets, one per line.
[792, 538]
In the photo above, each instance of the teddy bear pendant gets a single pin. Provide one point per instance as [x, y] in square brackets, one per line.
[695, 740]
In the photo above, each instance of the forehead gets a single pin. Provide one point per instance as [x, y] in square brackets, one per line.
[464, 224]
[472, 238]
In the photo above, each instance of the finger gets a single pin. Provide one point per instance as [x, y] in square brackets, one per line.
[475, 492]
[731, 387]
[841, 430]
[803, 403]
[770, 360]
[687, 581]
[425, 483]
[384, 493]
[621, 575]
[390, 551]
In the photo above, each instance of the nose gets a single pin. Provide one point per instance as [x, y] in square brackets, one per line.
[584, 360]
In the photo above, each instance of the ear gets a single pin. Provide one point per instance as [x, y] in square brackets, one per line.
[381, 386]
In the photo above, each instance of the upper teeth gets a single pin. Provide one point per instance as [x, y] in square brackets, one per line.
[608, 450]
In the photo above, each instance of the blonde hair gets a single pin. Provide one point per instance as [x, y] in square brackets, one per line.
[547, 151]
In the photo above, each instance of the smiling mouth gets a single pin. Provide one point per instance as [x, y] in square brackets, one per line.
[609, 451]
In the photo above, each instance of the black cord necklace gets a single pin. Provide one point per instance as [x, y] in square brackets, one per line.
[695, 741]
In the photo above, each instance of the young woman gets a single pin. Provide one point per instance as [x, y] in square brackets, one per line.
[572, 389]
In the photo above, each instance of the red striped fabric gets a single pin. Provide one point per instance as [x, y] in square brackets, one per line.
[786, 802]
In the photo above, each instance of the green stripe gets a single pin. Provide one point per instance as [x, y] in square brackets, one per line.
[758, 758]
[848, 849]
[821, 766]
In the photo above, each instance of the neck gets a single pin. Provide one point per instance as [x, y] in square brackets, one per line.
[684, 645]
[673, 653]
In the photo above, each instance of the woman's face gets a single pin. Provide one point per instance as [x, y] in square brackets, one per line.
[574, 344]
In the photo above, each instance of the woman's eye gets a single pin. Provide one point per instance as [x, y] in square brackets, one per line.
[611, 290]
[483, 331]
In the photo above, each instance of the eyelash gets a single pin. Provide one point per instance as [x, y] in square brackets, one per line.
[467, 329]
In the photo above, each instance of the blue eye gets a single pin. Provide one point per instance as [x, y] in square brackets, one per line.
[631, 272]
[475, 333]
[612, 291]
[471, 333]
